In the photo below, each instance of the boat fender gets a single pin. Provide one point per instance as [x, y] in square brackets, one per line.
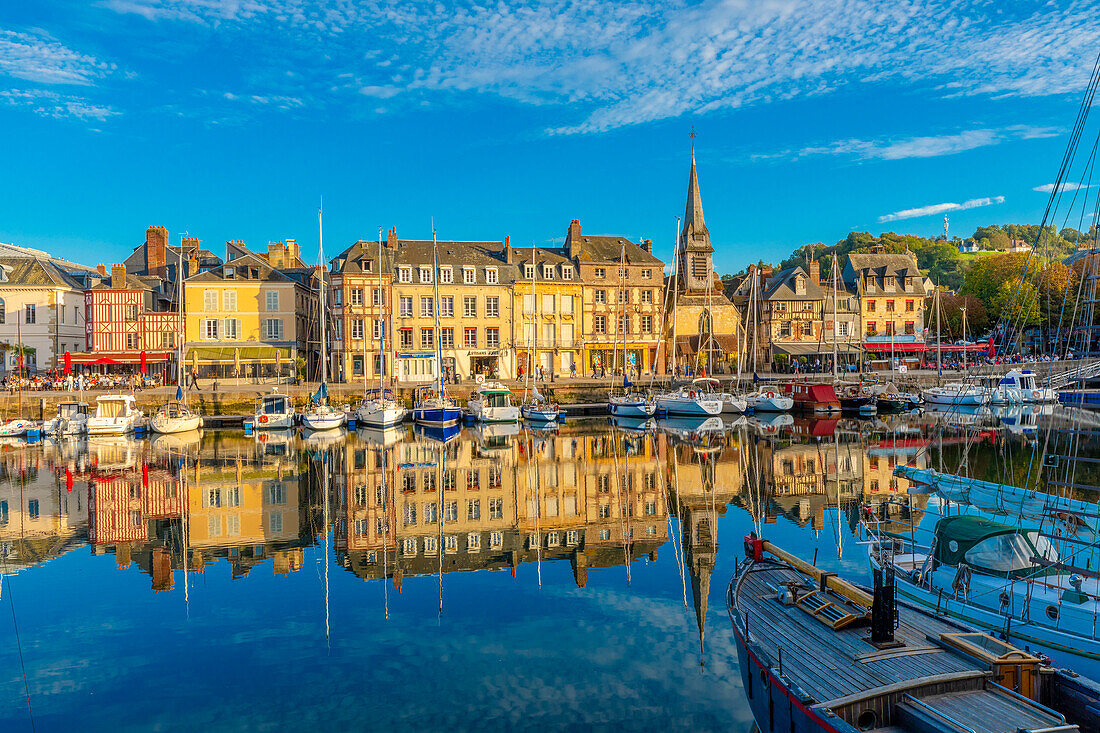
[263, 419]
[754, 547]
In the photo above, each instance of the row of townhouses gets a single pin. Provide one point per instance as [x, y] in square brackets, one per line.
[408, 310]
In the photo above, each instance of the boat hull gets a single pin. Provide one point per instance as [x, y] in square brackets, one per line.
[376, 417]
[167, 425]
[509, 413]
[632, 409]
[273, 421]
[102, 426]
[772, 404]
[323, 420]
[437, 416]
[539, 414]
[687, 407]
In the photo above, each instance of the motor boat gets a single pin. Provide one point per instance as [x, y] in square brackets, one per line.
[17, 428]
[1018, 386]
[323, 416]
[174, 417]
[769, 399]
[492, 402]
[956, 393]
[380, 410]
[690, 401]
[819, 399]
[854, 397]
[434, 409]
[889, 399]
[632, 404]
[116, 414]
[274, 411]
[71, 419]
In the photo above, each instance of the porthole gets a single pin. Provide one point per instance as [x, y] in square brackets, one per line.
[867, 720]
[1052, 613]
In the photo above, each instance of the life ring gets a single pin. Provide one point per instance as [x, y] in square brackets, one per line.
[770, 395]
[691, 394]
[263, 419]
[1036, 393]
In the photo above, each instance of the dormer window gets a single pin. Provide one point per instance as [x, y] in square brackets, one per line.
[529, 272]
[491, 275]
[469, 276]
[369, 267]
[566, 272]
[425, 274]
[446, 275]
[548, 272]
[405, 275]
[230, 272]
[800, 285]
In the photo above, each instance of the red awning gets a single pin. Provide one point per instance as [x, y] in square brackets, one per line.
[123, 357]
[895, 348]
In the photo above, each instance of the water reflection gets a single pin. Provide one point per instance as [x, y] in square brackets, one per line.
[595, 538]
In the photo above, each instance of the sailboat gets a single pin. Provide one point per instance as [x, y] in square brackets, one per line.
[379, 410]
[537, 408]
[432, 406]
[321, 415]
[632, 402]
[174, 416]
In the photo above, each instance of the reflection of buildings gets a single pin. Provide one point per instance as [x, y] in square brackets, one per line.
[40, 517]
[596, 500]
[242, 504]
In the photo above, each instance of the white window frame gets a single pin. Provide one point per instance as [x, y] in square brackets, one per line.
[425, 274]
[567, 272]
[469, 275]
[492, 307]
[446, 274]
[405, 300]
[491, 276]
[269, 296]
[232, 329]
[548, 272]
[208, 325]
[210, 300]
[404, 274]
[229, 301]
[447, 306]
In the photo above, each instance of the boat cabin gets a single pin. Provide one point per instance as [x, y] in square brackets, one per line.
[274, 404]
[495, 395]
[69, 410]
[992, 548]
[175, 409]
[814, 396]
[115, 406]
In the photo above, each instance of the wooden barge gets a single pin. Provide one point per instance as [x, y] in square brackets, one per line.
[819, 654]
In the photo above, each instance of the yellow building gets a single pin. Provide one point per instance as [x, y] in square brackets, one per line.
[248, 319]
[361, 298]
[547, 306]
[623, 293]
[891, 297]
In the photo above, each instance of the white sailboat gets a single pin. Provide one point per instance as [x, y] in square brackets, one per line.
[433, 408]
[632, 402]
[174, 416]
[379, 410]
[321, 415]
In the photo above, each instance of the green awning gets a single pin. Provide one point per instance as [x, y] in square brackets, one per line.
[228, 354]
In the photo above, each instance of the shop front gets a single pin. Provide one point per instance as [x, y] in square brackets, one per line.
[485, 363]
[160, 364]
[253, 363]
[419, 367]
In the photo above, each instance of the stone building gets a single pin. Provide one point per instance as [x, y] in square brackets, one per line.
[622, 287]
[547, 304]
[362, 305]
[41, 314]
[703, 324]
[891, 294]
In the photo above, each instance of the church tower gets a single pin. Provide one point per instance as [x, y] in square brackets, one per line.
[695, 263]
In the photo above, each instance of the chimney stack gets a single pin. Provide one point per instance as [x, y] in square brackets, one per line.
[391, 238]
[101, 269]
[156, 249]
[574, 233]
[508, 248]
[815, 272]
[118, 277]
[647, 245]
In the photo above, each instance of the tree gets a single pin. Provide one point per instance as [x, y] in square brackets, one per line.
[977, 317]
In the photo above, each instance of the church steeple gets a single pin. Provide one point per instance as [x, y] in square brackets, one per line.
[695, 250]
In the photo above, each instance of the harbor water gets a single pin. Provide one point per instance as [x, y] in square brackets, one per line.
[508, 578]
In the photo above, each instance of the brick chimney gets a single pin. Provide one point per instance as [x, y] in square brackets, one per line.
[815, 272]
[508, 248]
[101, 269]
[291, 252]
[573, 235]
[156, 248]
[118, 277]
[647, 245]
[276, 254]
[192, 265]
[391, 238]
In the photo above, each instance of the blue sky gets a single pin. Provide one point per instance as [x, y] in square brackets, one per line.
[230, 119]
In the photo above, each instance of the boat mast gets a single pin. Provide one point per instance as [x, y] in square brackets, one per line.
[435, 310]
[534, 327]
[964, 337]
[381, 333]
[675, 291]
[179, 308]
[939, 353]
[836, 325]
[321, 299]
[618, 323]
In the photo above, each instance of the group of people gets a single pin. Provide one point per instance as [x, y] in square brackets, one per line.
[54, 380]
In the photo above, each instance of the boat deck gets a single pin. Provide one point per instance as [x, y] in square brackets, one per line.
[837, 667]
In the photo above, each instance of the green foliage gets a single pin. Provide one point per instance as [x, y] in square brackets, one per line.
[951, 316]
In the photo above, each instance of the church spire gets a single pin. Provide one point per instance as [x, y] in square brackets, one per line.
[695, 252]
[693, 212]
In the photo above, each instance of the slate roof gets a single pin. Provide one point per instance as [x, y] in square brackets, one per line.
[267, 273]
[479, 255]
[781, 286]
[885, 264]
[32, 271]
[353, 259]
[610, 249]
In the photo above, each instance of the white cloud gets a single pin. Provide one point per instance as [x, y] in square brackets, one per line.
[1067, 186]
[631, 62]
[925, 146]
[51, 104]
[941, 208]
[39, 58]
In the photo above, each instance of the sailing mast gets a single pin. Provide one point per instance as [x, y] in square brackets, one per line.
[836, 325]
[180, 395]
[435, 310]
[381, 332]
[618, 326]
[939, 356]
[531, 333]
[675, 290]
[321, 305]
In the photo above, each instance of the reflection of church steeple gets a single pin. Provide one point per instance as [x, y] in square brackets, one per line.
[695, 248]
[700, 551]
